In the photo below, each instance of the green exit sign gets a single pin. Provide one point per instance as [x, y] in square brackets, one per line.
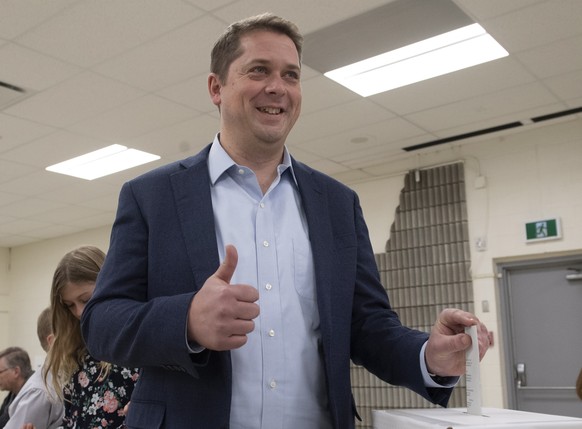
[547, 229]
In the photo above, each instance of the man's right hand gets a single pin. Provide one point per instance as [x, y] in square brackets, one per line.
[221, 315]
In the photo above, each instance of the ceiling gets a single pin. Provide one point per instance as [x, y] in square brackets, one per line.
[134, 72]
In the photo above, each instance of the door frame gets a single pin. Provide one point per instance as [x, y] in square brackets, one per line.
[503, 269]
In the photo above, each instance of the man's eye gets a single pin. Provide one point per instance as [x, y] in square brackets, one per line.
[293, 75]
[259, 69]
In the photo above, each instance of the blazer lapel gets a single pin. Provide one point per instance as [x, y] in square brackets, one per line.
[191, 187]
[316, 209]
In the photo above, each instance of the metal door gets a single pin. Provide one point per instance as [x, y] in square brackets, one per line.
[542, 315]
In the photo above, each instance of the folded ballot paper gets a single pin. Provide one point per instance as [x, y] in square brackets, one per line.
[474, 416]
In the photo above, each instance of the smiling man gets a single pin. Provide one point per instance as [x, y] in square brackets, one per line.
[243, 281]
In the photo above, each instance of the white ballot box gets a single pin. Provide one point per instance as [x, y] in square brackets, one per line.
[458, 418]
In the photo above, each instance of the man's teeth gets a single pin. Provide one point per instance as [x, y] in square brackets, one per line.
[270, 110]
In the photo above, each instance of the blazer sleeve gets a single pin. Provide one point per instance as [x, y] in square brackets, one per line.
[380, 342]
[138, 313]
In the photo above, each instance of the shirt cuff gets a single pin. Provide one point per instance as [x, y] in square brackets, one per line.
[434, 380]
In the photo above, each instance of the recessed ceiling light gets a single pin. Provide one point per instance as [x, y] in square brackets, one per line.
[448, 52]
[102, 162]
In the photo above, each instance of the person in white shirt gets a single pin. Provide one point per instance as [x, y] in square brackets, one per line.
[37, 403]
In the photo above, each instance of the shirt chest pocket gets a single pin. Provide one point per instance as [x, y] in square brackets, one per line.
[303, 271]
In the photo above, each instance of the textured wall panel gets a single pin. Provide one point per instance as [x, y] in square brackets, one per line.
[425, 269]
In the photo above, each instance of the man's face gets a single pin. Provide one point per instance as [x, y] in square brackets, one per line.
[261, 98]
[7, 375]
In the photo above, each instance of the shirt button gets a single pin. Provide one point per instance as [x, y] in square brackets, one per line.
[262, 205]
[241, 171]
[265, 243]
[271, 333]
[268, 286]
[272, 384]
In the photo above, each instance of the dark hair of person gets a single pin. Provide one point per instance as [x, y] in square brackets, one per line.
[228, 47]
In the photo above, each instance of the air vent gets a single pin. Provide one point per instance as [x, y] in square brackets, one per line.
[11, 94]
[493, 129]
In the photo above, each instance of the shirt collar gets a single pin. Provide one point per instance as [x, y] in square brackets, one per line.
[219, 162]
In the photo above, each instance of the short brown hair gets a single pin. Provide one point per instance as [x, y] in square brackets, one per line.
[44, 328]
[227, 48]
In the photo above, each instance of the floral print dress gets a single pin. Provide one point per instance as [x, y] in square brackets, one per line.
[93, 401]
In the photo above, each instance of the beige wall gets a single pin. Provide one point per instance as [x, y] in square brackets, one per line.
[29, 271]
[529, 175]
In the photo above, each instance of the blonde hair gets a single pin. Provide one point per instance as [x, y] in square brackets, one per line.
[68, 351]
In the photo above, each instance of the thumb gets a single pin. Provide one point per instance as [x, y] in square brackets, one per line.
[226, 269]
[459, 342]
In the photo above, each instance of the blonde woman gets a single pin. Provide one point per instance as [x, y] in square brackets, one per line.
[94, 392]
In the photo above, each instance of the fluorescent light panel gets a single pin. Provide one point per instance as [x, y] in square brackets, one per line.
[436, 56]
[102, 162]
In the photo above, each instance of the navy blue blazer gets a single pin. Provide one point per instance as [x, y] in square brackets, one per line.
[163, 248]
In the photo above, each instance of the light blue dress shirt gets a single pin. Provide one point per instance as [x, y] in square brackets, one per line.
[278, 377]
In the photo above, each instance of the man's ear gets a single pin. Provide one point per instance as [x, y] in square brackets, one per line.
[214, 89]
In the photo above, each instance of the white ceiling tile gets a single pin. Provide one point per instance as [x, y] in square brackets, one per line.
[31, 70]
[20, 16]
[328, 167]
[352, 176]
[6, 199]
[80, 97]
[52, 231]
[168, 60]
[378, 135]
[51, 149]
[95, 221]
[321, 93]
[83, 193]
[10, 240]
[537, 25]
[29, 207]
[303, 154]
[91, 31]
[557, 58]
[151, 49]
[308, 15]
[184, 139]
[192, 93]
[66, 213]
[21, 226]
[210, 5]
[475, 110]
[491, 8]
[36, 183]
[10, 170]
[16, 131]
[567, 86]
[132, 119]
[337, 119]
[475, 81]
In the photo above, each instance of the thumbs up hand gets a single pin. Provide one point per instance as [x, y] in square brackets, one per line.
[221, 315]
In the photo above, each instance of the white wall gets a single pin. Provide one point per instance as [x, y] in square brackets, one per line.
[529, 175]
[30, 274]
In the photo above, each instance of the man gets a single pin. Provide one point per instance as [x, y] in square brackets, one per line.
[36, 403]
[263, 340]
[15, 369]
